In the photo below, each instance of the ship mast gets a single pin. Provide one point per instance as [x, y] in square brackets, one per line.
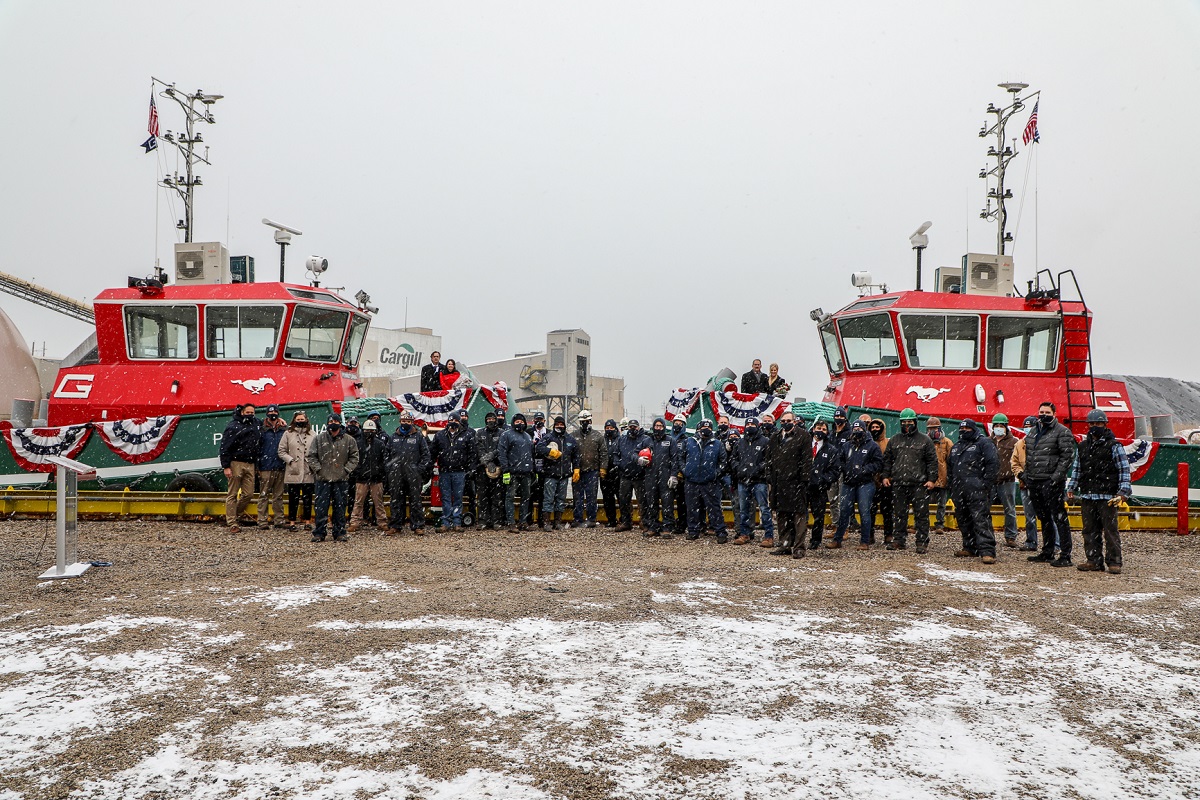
[1003, 155]
[185, 142]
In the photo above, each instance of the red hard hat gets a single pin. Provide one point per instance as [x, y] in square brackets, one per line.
[645, 453]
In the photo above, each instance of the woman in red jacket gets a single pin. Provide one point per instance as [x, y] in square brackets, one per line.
[450, 375]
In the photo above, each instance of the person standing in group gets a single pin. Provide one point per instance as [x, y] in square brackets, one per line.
[1101, 479]
[826, 466]
[861, 460]
[882, 503]
[537, 432]
[837, 440]
[332, 458]
[241, 444]
[516, 468]
[972, 469]
[1027, 508]
[297, 478]
[560, 461]
[610, 475]
[910, 468]
[941, 487]
[431, 373]
[752, 472]
[354, 431]
[702, 462]
[776, 385]
[1048, 456]
[631, 463]
[408, 463]
[790, 469]
[754, 381]
[678, 436]
[370, 475]
[658, 512]
[453, 451]
[270, 471]
[1006, 483]
[491, 492]
[593, 461]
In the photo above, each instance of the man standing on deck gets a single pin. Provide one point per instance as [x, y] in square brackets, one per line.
[1101, 478]
[241, 444]
[755, 381]
[1048, 456]
[431, 373]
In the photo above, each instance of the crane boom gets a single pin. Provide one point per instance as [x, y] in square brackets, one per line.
[18, 287]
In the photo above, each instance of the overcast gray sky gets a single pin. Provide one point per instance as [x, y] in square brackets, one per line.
[683, 180]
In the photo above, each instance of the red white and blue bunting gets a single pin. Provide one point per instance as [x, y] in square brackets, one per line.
[497, 395]
[681, 403]
[740, 407]
[140, 439]
[32, 447]
[1140, 453]
[433, 408]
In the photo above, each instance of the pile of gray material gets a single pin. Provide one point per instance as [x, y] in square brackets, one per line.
[1153, 396]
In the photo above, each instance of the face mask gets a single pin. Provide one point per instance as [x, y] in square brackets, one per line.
[301, 423]
[819, 434]
[660, 432]
[1095, 431]
[634, 432]
[334, 429]
[839, 421]
[452, 426]
[611, 433]
[352, 425]
[1030, 430]
[706, 433]
[722, 428]
[1046, 419]
[519, 426]
[1000, 430]
[585, 426]
[405, 428]
[247, 419]
[787, 426]
[559, 431]
[935, 433]
[876, 434]
[751, 430]
[908, 427]
[858, 436]
[272, 417]
[767, 427]
[492, 424]
[677, 428]
[967, 434]
[539, 425]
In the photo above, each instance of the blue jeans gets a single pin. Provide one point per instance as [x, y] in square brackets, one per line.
[862, 496]
[748, 496]
[1007, 494]
[554, 494]
[324, 493]
[585, 495]
[451, 485]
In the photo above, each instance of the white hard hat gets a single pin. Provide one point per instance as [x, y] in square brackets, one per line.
[585, 414]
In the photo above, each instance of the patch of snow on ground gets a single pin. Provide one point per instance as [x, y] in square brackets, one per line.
[963, 576]
[288, 597]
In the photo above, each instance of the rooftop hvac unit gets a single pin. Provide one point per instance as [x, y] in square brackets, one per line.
[944, 278]
[201, 262]
[988, 274]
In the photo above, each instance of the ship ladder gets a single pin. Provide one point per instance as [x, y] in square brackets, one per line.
[1077, 355]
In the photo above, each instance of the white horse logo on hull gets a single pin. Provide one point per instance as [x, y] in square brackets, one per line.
[256, 386]
[925, 393]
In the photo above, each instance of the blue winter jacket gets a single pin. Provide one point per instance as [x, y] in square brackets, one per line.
[826, 466]
[972, 465]
[702, 461]
[516, 451]
[665, 455]
[268, 458]
[860, 461]
[627, 454]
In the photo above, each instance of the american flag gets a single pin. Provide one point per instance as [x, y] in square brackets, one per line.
[1031, 131]
[152, 127]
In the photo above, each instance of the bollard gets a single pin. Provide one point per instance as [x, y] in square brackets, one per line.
[1181, 501]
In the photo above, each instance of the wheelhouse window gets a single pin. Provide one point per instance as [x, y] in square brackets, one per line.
[869, 341]
[941, 341]
[242, 332]
[354, 345]
[316, 333]
[833, 354]
[162, 332]
[1023, 343]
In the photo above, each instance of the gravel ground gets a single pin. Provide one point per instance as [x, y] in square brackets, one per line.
[587, 665]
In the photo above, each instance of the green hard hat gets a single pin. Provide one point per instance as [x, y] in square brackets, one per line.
[999, 419]
[908, 413]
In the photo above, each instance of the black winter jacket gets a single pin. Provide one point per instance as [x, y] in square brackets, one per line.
[516, 451]
[628, 448]
[569, 458]
[487, 447]
[241, 441]
[453, 453]
[372, 458]
[665, 459]
[408, 454]
[752, 459]
[972, 465]
[755, 384]
[826, 466]
[861, 461]
[1049, 454]
[910, 458]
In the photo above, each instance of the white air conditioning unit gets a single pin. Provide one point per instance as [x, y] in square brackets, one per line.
[988, 274]
[946, 277]
[201, 262]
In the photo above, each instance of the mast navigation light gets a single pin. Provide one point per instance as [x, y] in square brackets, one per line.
[1013, 87]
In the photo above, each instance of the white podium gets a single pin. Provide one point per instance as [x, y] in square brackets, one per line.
[66, 518]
